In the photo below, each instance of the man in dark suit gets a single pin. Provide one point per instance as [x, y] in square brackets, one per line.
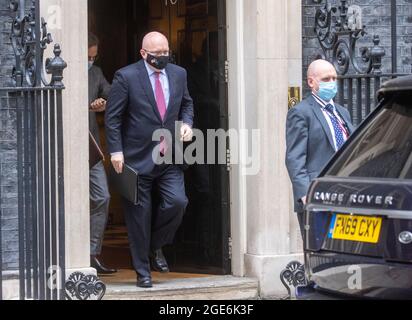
[99, 90]
[315, 129]
[148, 96]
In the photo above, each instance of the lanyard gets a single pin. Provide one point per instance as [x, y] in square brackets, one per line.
[340, 122]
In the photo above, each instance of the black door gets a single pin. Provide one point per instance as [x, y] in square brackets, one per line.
[201, 49]
[197, 33]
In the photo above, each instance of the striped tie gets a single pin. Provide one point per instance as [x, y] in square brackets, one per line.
[337, 127]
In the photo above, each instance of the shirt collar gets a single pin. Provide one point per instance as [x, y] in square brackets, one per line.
[151, 71]
[322, 102]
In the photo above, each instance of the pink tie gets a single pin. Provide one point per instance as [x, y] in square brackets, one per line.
[161, 106]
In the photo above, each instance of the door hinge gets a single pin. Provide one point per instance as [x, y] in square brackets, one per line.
[227, 71]
[230, 246]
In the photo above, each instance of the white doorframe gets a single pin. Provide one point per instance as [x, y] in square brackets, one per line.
[236, 101]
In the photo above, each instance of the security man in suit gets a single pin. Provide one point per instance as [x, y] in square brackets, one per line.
[315, 129]
[99, 90]
[148, 96]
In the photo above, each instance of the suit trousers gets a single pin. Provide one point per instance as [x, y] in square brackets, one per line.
[99, 207]
[153, 225]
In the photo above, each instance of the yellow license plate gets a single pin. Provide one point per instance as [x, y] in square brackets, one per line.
[355, 228]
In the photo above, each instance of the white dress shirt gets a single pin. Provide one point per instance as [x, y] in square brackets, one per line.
[164, 80]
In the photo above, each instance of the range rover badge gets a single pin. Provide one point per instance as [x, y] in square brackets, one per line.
[405, 237]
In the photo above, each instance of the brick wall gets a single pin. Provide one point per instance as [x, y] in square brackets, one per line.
[376, 16]
[8, 158]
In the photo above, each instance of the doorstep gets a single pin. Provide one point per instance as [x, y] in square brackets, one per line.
[192, 288]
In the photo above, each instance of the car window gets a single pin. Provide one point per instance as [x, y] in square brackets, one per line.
[383, 149]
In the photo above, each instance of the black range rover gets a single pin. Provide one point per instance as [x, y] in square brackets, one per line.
[358, 237]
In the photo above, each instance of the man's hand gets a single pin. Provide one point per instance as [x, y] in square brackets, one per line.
[186, 133]
[118, 162]
[304, 200]
[98, 105]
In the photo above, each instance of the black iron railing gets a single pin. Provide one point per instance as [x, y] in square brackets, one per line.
[339, 30]
[35, 105]
[358, 93]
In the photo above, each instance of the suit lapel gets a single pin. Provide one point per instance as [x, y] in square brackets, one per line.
[172, 81]
[147, 87]
[319, 114]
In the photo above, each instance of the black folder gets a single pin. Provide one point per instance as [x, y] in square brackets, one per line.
[125, 183]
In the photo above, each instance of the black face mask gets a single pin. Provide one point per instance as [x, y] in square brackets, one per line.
[158, 63]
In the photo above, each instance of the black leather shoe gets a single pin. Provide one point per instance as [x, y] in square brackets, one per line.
[144, 282]
[100, 268]
[158, 262]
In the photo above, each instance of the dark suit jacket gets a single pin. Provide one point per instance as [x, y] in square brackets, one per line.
[309, 145]
[98, 88]
[132, 115]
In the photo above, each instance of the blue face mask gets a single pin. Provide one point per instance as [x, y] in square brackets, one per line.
[328, 90]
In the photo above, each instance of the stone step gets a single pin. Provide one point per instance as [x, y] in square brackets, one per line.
[206, 288]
